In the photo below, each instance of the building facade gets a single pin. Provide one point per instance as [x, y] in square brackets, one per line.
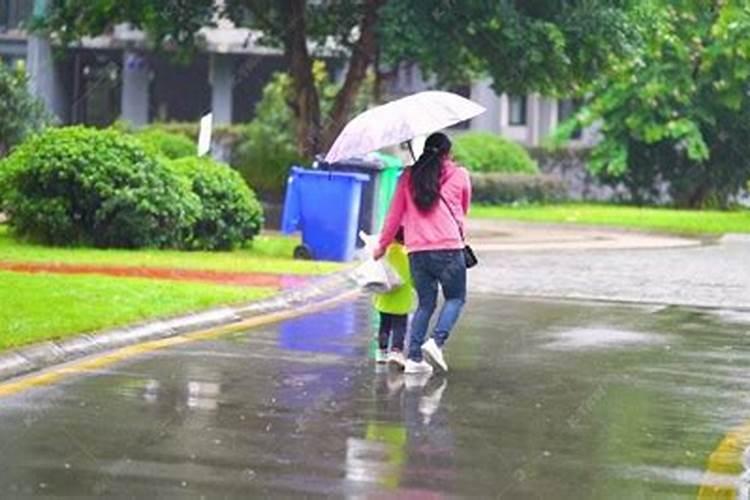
[115, 76]
[527, 119]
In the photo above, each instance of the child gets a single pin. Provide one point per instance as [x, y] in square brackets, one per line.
[394, 306]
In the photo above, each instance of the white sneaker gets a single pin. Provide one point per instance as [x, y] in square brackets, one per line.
[396, 358]
[434, 354]
[429, 403]
[381, 357]
[417, 367]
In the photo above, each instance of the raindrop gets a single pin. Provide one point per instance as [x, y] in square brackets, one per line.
[67, 466]
[242, 417]
[547, 453]
[42, 485]
[184, 484]
[217, 441]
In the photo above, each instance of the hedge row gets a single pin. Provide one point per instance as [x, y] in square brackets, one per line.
[502, 189]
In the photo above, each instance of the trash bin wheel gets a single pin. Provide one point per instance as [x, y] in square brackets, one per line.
[302, 252]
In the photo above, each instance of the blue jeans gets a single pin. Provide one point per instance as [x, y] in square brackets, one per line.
[428, 268]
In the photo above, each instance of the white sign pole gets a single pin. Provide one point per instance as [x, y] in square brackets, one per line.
[204, 136]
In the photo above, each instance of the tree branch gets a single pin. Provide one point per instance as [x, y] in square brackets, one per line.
[363, 54]
[307, 103]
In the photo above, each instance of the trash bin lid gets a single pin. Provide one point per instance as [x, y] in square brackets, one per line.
[331, 174]
[389, 161]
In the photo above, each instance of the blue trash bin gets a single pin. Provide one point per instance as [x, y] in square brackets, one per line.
[325, 207]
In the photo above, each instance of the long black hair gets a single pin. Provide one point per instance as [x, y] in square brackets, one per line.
[426, 172]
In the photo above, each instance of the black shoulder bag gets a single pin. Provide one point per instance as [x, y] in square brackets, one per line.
[469, 255]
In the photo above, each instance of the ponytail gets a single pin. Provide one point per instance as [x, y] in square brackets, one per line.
[427, 171]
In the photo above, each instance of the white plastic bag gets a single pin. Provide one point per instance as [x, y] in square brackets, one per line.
[375, 276]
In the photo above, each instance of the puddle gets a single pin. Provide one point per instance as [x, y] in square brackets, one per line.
[602, 338]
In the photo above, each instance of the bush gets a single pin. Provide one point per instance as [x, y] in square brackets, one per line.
[81, 186]
[230, 214]
[501, 189]
[484, 152]
[169, 144]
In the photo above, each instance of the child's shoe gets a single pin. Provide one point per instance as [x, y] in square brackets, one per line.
[396, 358]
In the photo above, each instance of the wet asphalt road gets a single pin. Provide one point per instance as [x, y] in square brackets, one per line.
[545, 400]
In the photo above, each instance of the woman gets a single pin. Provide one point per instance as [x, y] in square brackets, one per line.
[431, 201]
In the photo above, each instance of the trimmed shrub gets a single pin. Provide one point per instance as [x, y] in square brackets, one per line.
[502, 189]
[485, 152]
[82, 186]
[171, 145]
[230, 214]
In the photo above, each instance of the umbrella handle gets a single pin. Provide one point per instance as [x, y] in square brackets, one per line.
[411, 150]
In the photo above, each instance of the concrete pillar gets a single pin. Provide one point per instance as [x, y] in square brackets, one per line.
[489, 121]
[503, 115]
[547, 117]
[135, 88]
[222, 84]
[44, 77]
[533, 119]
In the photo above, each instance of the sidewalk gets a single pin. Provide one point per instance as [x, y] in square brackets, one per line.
[501, 235]
[574, 262]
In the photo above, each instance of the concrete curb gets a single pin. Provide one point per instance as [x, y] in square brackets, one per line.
[43, 355]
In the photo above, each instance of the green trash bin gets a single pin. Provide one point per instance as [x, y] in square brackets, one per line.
[389, 175]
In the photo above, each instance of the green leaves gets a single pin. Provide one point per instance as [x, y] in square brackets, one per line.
[79, 186]
[549, 46]
[230, 215]
[20, 113]
[490, 153]
[675, 107]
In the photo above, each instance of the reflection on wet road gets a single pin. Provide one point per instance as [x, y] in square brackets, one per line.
[544, 400]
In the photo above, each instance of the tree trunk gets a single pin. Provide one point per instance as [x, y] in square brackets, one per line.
[305, 103]
[362, 56]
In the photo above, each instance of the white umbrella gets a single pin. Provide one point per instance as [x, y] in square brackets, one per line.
[400, 121]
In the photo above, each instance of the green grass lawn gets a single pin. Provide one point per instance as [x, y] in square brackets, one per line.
[35, 307]
[688, 222]
[271, 254]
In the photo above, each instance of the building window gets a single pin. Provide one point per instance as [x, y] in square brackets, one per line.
[517, 110]
[566, 109]
[463, 91]
[15, 13]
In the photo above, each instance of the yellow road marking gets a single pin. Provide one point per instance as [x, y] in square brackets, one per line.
[725, 462]
[54, 375]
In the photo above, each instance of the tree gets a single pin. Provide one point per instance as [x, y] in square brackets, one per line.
[676, 108]
[548, 45]
[267, 149]
[20, 113]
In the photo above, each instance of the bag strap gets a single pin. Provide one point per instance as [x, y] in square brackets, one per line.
[455, 219]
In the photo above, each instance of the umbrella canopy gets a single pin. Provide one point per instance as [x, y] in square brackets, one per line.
[400, 121]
